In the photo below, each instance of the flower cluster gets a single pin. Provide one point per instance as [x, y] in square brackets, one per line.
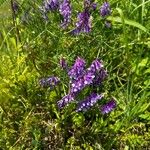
[93, 75]
[84, 21]
[89, 4]
[50, 5]
[80, 77]
[49, 82]
[89, 102]
[108, 107]
[82, 82]
[65, 11]
[65, 100]
[95, 66]
[105, 9]
[77, 69]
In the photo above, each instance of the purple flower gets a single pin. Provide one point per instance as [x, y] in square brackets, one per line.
[84, 22]
[49, 82]
[82, 82]
[95, 66]
[77, 85]
[63, 64]
[94, 6]
[51, 5]
[100, 76]
[89, 102]
[108, 107]
[94, 75]
[88, 78]
[65, 100]
[48, 5]
[80, 78]
[105, 9]
[77, 69]
[65, 11]
[88, 4]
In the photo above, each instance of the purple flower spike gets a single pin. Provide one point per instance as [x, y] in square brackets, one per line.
[94, 6]
[84, 23]
[82, 82]
[99, 77]
[89, 4]
[65, 100]
[105, 9]
[49, 82]
[65, 11]
[77, 85]
[94, 75]
[78, 69]
[95, 66]
[89, 102]
[51, 5]
[88, 78]
[48, 5]
[108, 107]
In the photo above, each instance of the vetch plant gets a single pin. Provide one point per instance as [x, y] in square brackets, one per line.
[105, 9]
[51, 5]
[48, 5]
[72, 108]
[65, 11]
[89, 102]
[81, 77]
[66, 100]
[108, 106]
[84, 22]
[49, 82]
[84, 18]
[77, 69]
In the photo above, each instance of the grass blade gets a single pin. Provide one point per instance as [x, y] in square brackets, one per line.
[128, 22]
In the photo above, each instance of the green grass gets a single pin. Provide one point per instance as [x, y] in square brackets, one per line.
[29, 116]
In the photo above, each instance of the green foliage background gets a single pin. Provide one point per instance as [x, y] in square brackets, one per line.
[29, 117]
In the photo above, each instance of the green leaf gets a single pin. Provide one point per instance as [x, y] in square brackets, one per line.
[147, 70]
[128, 22]
[143, 62]
[78, 119]
[141, 5]
[145, 116]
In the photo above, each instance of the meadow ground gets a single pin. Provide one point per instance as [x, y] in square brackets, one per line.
[46, 75]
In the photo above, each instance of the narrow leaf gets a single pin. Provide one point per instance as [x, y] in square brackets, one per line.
[128, 22]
